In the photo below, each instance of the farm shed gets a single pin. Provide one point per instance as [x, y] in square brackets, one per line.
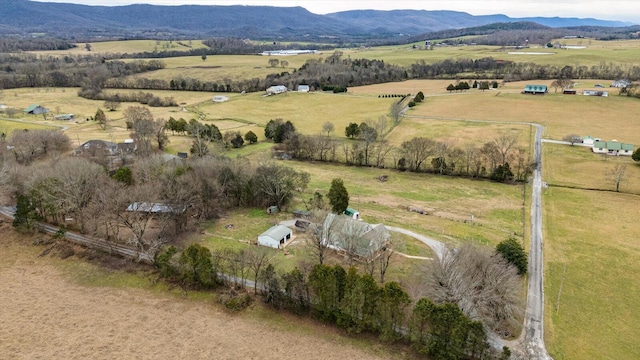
[612, 148]
[535, 89]
[589, 140]
[220, 98]
[277, 89]
[352, 213]
[272, 209]
[36, 110]
[595, 93]
[569, 92]
[275, 237]
[303, 88]
[64, 117]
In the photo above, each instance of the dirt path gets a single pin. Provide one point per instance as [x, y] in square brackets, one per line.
[44, 315]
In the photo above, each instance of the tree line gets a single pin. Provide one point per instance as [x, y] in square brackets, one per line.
[346, 298]
[499, 159]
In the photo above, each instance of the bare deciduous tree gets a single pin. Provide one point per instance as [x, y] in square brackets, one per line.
[258, 258]
[328, 127]
[618, 175]
[395, 111]
[416, 151]
[504, 143]
[484, 285]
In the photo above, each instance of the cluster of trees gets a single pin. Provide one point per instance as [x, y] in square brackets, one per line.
[26, 146]
[460, 86]
[499, 159]
[78, 189]
[88, 71]
[112, 101]
[350, 300]
[515, 71]
[340, 73]
[9, 44]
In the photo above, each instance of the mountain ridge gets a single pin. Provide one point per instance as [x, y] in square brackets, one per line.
[57, 19]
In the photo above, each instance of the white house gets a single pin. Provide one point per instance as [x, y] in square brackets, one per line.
[303, 88]
[275, 237]
[220, 98]
[612, 148]
[277, 89]
[623, 83]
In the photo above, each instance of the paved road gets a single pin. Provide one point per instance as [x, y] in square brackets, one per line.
[562, 142]
[534, 316]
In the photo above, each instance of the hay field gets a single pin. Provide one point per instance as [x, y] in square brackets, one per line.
[604, 117]
[220, 67]
[592, 252]
[66, 309]
[307, 111]
[8, 126]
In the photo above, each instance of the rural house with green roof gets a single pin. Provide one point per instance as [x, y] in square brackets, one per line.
[612, 148]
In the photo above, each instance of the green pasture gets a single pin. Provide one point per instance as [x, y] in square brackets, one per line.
[604, 117]
[450, 201]
[307, 111]
[9, 126]
[592, 291]
[578, 166]
[217, 68]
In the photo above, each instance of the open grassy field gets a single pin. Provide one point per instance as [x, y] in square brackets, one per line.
[592, 291]
[497, 208]
[220, 67]
[604, 117]
[7, 126]
[578, 166]
[307, 111]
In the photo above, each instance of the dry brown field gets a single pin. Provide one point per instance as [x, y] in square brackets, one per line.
[69, 309]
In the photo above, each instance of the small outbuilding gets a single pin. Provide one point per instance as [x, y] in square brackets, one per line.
[272, 209]
[352, 213]
[220, 98]
[589, 140]
[303, 88]
[275, 237]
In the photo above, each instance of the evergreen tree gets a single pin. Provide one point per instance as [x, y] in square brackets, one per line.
[338, 196]
[251, 137]
[25, 214]
[514, 253]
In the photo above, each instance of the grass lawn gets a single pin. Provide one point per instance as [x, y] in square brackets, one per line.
[578, 166]
[604, 117]
[8, 126]
[497, 208]
[596, 266]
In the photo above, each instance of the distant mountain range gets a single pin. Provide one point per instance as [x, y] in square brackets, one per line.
[23, 17]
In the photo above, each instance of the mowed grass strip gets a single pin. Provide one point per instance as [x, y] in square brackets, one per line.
[594, 316]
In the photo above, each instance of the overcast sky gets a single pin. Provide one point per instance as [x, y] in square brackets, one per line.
[625, 10]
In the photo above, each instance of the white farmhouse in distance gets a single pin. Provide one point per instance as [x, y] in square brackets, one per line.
[276, 89]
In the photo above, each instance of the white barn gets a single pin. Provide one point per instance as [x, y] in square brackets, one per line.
[275, 237]
[277, 89]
